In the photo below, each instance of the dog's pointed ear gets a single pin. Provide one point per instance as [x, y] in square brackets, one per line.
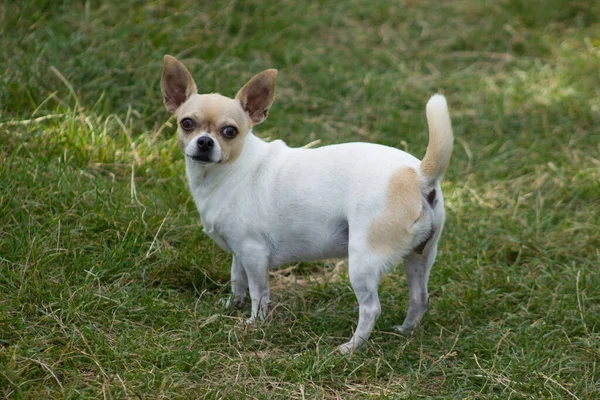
[257, 95]
[176, 83]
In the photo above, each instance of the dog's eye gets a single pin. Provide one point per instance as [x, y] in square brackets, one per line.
[187, 124]
[229, 132]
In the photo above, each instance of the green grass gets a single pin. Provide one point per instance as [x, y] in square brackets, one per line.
[109, 289]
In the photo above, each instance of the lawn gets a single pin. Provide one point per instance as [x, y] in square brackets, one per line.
[109, 289]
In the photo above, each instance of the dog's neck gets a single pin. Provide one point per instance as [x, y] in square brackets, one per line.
[205, 180]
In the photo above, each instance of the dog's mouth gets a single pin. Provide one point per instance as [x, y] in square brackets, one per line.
[203, 160]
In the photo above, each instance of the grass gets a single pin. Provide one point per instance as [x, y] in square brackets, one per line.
[108, 288]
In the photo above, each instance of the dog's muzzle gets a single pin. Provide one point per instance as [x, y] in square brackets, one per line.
[204, 149]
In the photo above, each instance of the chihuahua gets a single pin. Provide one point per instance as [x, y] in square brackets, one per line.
[267, 204]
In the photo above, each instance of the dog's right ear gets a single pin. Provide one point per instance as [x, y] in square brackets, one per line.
[176, 83]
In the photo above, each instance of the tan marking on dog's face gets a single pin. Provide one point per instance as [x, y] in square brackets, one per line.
[212, 113]
[390, 231]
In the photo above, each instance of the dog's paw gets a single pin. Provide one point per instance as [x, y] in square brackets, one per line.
[246, 322]
[404, 330]
[230, 303]
[224, 303]
[346, 348]
[253, 321]
[235, 302]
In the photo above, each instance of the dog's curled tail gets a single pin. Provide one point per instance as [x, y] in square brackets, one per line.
[441, 139]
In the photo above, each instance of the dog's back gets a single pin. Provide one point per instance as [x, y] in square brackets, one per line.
[319, 197]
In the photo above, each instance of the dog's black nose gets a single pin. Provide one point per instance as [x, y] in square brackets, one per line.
[205, 143]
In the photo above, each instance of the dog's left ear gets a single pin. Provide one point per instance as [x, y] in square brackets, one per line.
[176, 83]
[257, 95]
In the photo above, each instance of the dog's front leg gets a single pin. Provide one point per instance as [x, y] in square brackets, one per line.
[239, 284]
[255, 260]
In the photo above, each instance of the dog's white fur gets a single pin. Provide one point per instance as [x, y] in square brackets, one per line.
[268, 204]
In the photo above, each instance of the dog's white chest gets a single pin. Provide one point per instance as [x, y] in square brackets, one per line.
[211, 228]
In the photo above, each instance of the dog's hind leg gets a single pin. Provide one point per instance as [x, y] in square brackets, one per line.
[418, 266]
[365, 275]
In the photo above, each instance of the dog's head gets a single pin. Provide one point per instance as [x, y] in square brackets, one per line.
[212, 128]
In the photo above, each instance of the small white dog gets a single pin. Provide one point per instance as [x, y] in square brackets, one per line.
[268, 204]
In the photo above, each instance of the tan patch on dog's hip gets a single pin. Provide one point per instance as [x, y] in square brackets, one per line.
[390, 231]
